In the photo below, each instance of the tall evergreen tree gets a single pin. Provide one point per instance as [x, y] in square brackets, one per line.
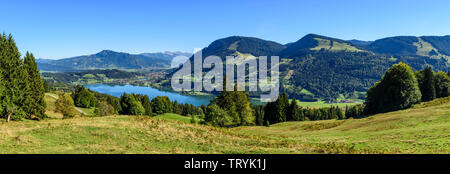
[426, 82]
[243, 108]
[284, 106]
[177, 108]
[236, 104]
[147, 105]
[14, 78]
[225, 100]
[293, 111]
[34, 104]
[275, 112]
[259, 114]
[2, 97]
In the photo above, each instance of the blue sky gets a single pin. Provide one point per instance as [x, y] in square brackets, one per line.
[66, 28]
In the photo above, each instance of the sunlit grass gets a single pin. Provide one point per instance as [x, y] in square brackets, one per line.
[423, 129]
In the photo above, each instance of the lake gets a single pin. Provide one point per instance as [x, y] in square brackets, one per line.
[117, 91]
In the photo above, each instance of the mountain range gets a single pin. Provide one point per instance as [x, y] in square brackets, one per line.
[318, 66]
[312, 67]
[108, 59]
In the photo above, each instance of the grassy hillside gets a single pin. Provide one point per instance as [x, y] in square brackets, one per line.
[423, 129]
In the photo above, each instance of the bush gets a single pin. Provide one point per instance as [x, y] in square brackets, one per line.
[83, 98]
[216, 116]
[104, 109]
[65, 105]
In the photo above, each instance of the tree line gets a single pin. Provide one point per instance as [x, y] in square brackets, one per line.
[130, 104]
[21, 87]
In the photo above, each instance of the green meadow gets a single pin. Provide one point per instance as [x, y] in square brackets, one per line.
[422, 129]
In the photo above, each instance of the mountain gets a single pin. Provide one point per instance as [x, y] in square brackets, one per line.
[321, 67]
[242, 45]
[176, 58]
[40, 60]
[360, 42]
[167, 55]
[429, 46]
[329, 67]
[49, 67]
[313, 67]
[314, 42]
[107, 59]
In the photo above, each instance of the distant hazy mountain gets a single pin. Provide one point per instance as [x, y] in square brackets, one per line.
[40, 60]
[167, 54]
[107, 60]
[180, 57]
[360, 42]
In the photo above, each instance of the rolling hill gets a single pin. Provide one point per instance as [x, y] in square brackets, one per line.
[244, 45]
[329, 68]
[431, 46]
[423, 129]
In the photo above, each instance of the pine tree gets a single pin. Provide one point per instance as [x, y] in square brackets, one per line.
[225, 100]
[275, 112]
[46, 87]
[237, 106]
[259, 114]
[293, 114]
[35, 104]
[284, 106]
[340, 114]
[14, 78]
[243, 108]
[177, 109]
[426, 82]
[147, 105]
